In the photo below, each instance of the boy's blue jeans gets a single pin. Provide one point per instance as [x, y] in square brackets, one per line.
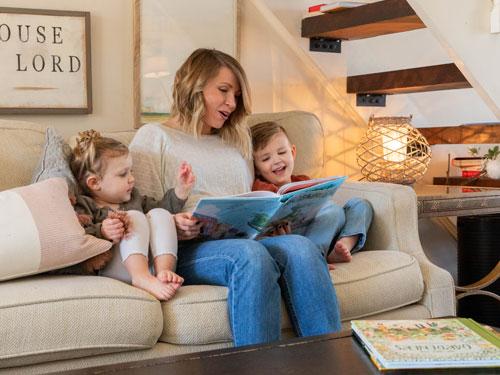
[257, 274]
[333, 222]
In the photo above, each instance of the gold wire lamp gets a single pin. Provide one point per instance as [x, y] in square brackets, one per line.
[393, 151]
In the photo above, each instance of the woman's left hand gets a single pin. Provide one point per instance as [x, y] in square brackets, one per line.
[187, 226]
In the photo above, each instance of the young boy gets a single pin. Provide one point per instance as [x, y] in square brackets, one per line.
[337, 231]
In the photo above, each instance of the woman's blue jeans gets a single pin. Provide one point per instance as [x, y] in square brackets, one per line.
[258, 274]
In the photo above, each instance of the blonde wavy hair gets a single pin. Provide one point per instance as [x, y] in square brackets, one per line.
[90, 153]
[188, 104]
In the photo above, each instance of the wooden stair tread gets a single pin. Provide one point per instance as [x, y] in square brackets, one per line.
[380, 18]
[463, 134]
[428, 78]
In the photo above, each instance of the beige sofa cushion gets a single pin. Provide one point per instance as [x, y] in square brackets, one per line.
[46, 318]
[20, 149]
[198, 314]
[377, 281]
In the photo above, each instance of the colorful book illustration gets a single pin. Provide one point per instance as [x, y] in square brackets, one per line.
[254, 214]
[433, 343]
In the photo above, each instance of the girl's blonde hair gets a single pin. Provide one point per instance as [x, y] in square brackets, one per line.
[188, 104]
[89, 155]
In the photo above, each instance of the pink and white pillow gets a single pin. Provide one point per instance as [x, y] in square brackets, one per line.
[40, 232]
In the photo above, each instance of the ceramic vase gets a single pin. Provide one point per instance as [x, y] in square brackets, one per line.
[493, 168]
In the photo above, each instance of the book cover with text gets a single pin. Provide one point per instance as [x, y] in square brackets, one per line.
[432, 343]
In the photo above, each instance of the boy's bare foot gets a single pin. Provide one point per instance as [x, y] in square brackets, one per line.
[149, 283]
[170, 277]
[341, 252]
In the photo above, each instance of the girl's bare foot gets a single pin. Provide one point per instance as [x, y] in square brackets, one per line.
[170, 277]
[341, 252]
[149, 283]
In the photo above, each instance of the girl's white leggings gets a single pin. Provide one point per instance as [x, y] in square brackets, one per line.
[154, 230]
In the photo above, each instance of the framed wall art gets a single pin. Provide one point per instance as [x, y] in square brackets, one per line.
[165, 34]
[45, 61]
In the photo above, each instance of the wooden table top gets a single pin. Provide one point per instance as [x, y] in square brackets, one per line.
[444, 200]
[328, 354]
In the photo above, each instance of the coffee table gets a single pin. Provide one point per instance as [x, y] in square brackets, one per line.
[329, 354]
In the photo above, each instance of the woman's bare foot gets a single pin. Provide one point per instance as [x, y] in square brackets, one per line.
[170, 277]
[151, 284]
[341, 252]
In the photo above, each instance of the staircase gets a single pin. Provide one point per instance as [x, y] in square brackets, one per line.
[389, 17]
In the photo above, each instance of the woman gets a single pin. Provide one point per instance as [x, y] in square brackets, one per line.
[208, 129]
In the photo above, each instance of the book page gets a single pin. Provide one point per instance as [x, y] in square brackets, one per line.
[234, 217]
[250, 194]
[298, 185]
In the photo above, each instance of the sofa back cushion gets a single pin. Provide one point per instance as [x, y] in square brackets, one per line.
[21, 144]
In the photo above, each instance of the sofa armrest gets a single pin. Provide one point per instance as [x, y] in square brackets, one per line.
[395, 227]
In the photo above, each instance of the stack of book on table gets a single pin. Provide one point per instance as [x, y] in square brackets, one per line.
[426, 344]
[332, 7]
[470, 166]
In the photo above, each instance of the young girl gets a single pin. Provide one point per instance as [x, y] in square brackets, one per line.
[337, 231]
[103, 168]
[207, 124]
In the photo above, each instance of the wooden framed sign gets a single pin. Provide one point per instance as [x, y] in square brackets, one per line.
[45, 64]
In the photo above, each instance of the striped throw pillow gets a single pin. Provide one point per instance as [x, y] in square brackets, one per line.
[39, 230]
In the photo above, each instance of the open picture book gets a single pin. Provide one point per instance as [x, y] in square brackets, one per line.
[254, 214]
[425, 344]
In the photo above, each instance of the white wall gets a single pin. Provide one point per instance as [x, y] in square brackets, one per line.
[112, 65]
[458, 31]
[462, 27]
[281, 81]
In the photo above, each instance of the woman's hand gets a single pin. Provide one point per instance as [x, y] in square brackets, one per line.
[187, 226]
[185, 181]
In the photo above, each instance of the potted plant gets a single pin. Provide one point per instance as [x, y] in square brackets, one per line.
[492, 166]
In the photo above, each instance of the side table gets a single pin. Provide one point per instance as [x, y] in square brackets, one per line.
[478, 230]
[467, 181]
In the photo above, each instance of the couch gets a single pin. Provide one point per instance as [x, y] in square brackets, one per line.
[61, 322]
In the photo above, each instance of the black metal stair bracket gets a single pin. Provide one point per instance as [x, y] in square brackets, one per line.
[324, 45]
[370, 100]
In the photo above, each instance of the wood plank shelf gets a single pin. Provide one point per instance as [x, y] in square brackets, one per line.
[366, 21]
[463, 181]
[463, 134]
[405, 81]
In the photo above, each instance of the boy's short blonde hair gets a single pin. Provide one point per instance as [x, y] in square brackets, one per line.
[263, 132]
